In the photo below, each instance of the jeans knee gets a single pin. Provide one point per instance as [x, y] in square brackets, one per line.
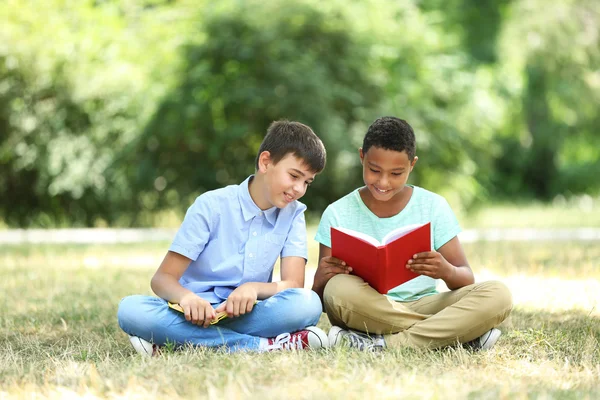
[310, 300]
[132, 314]
[124, 311]
[306, 306]
[314, 304]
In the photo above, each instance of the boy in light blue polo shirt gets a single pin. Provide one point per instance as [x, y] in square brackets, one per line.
[222, 260]
[413, 314]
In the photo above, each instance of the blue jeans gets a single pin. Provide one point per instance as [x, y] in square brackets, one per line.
[151, 319]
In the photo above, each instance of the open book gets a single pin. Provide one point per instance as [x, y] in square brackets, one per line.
[381, 264]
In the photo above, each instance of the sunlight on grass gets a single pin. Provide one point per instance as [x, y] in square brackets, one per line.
[578, 212]
[61, 339]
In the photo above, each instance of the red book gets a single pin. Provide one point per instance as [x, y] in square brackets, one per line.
[381, 264]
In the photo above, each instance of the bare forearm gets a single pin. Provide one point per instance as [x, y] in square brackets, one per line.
[459, 277]
[167, 287]
[266, 290]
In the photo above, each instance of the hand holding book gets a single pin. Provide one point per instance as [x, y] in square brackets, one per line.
[432, 264]
[382, 264]
[240, 301]
[196, 310]
[218, 318]
[221, 315]
[328, 268]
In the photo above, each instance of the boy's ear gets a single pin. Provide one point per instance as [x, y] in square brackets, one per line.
[264, 159]
[413, 162]
[361, 155]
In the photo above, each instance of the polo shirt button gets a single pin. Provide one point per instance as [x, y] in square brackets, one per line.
[253, 233]
[250, 255]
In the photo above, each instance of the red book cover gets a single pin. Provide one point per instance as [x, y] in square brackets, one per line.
[382, 265]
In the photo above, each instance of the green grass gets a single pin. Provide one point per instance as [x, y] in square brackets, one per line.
[580, 212]
[59, 336]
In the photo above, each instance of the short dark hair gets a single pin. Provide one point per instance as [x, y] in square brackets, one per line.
[284, 137]
[391, 133]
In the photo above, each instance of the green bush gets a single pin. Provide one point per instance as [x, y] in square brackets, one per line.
[300, 63]
[111, 111]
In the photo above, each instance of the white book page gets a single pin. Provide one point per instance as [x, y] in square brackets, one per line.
[399, 232]
[360, 235]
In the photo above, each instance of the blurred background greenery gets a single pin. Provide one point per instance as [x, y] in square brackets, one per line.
[115, 112]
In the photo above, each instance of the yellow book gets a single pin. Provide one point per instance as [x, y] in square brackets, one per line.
[220, 316]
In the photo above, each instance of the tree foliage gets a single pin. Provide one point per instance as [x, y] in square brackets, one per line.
[140, 105]
[301, 64]
[550, 144]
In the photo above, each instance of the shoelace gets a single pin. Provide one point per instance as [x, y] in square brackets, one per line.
[363, 342]
[360, 342]
[285, 341]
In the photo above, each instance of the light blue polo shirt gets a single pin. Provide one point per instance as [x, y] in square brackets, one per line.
[231, 241]
[424, 206]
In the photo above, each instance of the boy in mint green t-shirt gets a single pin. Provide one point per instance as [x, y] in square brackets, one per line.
[413, 314]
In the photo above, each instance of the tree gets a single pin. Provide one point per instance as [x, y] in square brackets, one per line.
[241, 72]
[551, 59]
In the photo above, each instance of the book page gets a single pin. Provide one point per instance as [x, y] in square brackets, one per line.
[399, 232]
[360, 235]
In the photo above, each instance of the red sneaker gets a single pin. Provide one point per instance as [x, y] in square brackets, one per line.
[309, 338]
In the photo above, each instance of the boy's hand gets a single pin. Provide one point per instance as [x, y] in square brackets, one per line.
[432, 264]
[328, 268]
[240, 301]
[197, 310]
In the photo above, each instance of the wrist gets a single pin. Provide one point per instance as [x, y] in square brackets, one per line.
[252, 287]
[318, 287]
[184, 295]
[249, 285]
[451, 272]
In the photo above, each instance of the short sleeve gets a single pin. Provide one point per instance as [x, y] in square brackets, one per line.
[194, 233]
[444, 224]
[328, 220]
[295, 243]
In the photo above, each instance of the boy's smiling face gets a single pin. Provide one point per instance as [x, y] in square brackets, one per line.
[285, 181]
[385, 172]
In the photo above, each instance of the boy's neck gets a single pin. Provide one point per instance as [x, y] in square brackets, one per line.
[256, 186]
[386, 209]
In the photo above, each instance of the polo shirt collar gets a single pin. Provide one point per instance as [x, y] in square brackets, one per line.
[249, 207]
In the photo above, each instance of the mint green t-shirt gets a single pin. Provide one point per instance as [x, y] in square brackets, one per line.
[424, 206]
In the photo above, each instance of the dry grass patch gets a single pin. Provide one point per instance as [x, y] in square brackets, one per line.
[60, 337]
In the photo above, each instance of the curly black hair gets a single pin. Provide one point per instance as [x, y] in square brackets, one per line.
[391, 133]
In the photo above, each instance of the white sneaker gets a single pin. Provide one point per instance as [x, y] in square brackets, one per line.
[485, 341]
[361, 341]
[143, 347]
[308, 338]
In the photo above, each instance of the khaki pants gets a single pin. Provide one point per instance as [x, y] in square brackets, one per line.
[433, 321]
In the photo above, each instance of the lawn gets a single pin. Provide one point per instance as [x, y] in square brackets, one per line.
[59, 336]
